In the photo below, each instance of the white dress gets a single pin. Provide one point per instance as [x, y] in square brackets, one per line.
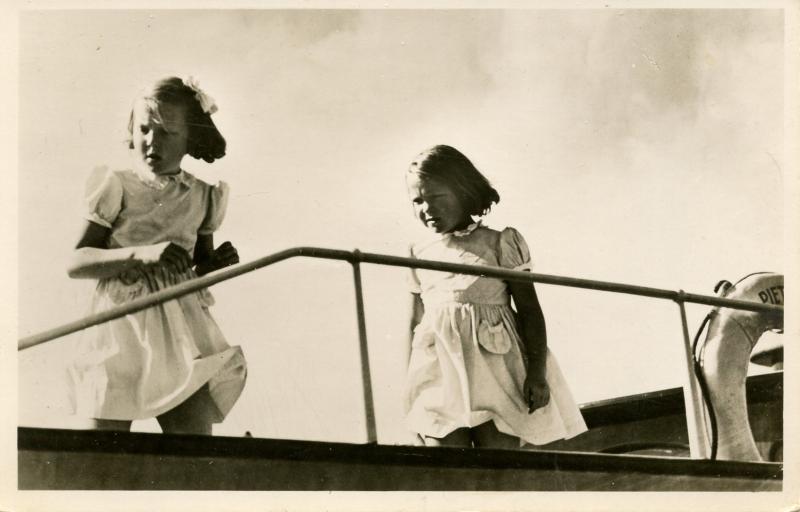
[146, 363]
[467, 362]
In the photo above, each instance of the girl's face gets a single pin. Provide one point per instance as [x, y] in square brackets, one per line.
[159, 136]
[437, 205]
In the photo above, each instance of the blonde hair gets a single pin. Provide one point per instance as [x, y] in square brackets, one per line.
[204, 142]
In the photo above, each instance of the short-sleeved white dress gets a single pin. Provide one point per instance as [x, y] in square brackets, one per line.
[146, 363]
[467, 362]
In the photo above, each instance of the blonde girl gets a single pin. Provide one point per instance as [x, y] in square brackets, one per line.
[148, 228]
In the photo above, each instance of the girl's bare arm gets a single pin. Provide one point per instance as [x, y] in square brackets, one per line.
[91, 259]
[534, 336]
[416, 310]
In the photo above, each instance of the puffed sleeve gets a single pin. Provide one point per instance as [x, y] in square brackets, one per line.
[513, 250]
[216, 208]
[102, 197]
[412, 281]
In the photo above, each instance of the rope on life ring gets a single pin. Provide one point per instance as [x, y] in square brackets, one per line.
[722, 361]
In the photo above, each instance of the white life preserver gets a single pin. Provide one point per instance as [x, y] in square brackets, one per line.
[725, 355]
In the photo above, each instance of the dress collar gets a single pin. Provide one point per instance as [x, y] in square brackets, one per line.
[160, 181]
[466, 231]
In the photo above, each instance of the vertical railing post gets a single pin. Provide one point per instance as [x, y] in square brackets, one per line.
[699, 444]
[366, 380]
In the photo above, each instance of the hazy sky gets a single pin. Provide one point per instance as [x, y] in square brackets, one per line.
[639, 146]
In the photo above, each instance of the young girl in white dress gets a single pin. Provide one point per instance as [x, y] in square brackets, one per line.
[151, 227]
[480, 373]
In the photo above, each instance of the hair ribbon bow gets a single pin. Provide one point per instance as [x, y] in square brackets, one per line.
[207, 103]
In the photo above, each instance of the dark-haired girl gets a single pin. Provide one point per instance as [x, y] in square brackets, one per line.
[480, 373]
[151, 227]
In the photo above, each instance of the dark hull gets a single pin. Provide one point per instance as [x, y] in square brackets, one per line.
[656, 423]
[652, 423]
[57, 459]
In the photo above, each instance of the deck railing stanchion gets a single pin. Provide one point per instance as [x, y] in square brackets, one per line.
[695, 408]
[699, 443]
[205, 281]
[366, 379]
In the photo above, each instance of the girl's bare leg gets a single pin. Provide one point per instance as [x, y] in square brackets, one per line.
[193, 416]
[487, 436]
[100, 424]
[458, 437]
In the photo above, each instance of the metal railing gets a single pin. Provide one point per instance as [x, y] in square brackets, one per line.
[698, 440]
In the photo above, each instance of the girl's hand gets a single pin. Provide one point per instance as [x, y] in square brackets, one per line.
[175, 258]
[223, 256]
[149, 254]
[536, 392]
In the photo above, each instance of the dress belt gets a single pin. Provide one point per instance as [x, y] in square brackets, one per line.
[438, 301]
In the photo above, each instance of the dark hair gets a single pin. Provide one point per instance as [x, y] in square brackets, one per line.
[204, 141]
[447, 164]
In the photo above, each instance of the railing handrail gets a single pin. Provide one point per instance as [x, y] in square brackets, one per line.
[357, 256]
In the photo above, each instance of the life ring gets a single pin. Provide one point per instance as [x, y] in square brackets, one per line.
[724, 356]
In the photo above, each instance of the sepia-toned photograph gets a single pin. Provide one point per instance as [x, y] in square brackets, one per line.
[384, 256]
